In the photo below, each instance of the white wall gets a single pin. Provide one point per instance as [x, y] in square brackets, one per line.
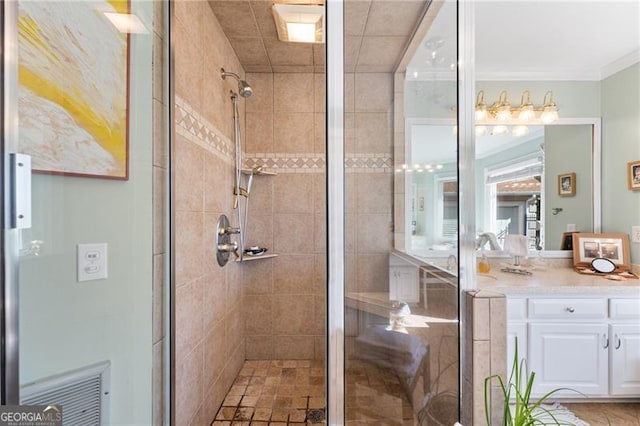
[64, 324]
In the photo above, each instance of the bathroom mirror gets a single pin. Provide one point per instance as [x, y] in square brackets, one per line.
[516, 184]
[518, 179]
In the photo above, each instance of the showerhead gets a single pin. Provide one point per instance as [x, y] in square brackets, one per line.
[243, 87]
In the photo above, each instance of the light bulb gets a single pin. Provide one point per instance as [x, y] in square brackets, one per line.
[481, 131]
[520, 131]
[503, 113]
[481, 113]
[500, 130]
[549, 114]
[526, 113]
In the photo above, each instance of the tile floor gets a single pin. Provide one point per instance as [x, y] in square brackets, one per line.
[284, 392]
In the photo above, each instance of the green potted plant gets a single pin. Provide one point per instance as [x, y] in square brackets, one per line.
[519, 408]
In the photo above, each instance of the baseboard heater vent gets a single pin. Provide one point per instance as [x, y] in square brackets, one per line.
[84, 394]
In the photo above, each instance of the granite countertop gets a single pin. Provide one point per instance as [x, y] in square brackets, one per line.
[555, 280]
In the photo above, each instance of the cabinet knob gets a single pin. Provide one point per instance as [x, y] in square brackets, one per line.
[605, 341]
[618, 342]
[570, 309]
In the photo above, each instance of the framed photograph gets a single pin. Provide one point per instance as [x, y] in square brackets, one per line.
[567, 185]
[634, 175]
[73, 93]
[614, 247]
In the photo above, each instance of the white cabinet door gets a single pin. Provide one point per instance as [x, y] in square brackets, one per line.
[404, 284]
[569, 355]
[516, 330]
[625, 359]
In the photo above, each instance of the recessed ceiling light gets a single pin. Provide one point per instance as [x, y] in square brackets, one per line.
[302, 23]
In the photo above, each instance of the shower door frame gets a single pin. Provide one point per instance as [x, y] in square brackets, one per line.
[9, 355]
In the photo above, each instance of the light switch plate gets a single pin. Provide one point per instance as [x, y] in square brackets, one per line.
[92, 262]
[635, 234]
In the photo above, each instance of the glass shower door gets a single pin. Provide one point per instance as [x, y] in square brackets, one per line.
[77, 235]
[401, 213]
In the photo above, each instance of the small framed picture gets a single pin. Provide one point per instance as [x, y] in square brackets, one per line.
[615, 247]
[567, 185]
[634, 175]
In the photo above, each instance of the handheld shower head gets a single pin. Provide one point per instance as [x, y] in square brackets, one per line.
[243, 87]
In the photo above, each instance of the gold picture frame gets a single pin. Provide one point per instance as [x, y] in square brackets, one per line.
[567, 185]
[633, 171]
[589, 246]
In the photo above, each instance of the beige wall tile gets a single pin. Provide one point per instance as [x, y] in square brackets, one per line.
[319, 92]
[189, 14]
[236, 18]
[349, 92]
[160, 141]
[189, 175]
[320, 347]
[189, 60]
[356, 13]
[262, 99]
[189, 386]
[157, 415]
[189, 260]
[320, 315]
[259, 230]
[293, 347]
[293, 92]
[218, 187]
[214, 354]
[498, 326]
[215, 298]
[235, 331]
[320, 274]
[260, 347]
[286, 308]
[481, 318]
[293, 193]
[372, 272]
[481, 370]
[320, 133]
[293, 274]
[373, 133]
[387, 19]
[261, 196]
[373, 92]
[293, 132]
[349, 133]
[319, 233]
[213, 398]
[293, 233]
[250, 50]
[319, 192]
[188, 311]
[374, 193]
[158, 296]
[374, 233]
[264, 16]
[258, 314]
[257, 277]
[159, 211]
[259, 135]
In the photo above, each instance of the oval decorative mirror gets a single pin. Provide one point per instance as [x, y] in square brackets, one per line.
[603, 265]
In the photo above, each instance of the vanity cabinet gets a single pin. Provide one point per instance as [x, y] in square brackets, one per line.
[404, 280]
[590, 345]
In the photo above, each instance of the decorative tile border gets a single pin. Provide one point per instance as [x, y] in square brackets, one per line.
[191, 125]
[316, 163]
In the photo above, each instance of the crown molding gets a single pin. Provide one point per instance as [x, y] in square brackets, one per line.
[620, 64]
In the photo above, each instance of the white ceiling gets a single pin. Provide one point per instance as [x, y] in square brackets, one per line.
[538, 40]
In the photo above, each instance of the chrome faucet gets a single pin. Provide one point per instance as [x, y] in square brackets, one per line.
[452, 262]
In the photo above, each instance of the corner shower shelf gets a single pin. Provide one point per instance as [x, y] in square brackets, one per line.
[260, 173]
[262, 256]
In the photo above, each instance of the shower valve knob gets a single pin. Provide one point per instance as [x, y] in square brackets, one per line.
[228, 248]
[229, 230]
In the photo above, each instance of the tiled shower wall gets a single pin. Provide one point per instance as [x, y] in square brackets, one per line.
[285, 304]
[209, 333]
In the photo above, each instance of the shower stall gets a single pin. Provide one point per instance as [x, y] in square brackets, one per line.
[320, 317]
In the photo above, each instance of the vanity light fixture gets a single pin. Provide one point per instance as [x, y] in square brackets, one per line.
[549, 109]
[519, 130]
[503, 113]
[301, 23]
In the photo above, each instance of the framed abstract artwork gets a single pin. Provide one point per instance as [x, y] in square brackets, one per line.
[73, 88]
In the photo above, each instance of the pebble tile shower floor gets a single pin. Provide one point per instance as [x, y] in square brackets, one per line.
[285, 392]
